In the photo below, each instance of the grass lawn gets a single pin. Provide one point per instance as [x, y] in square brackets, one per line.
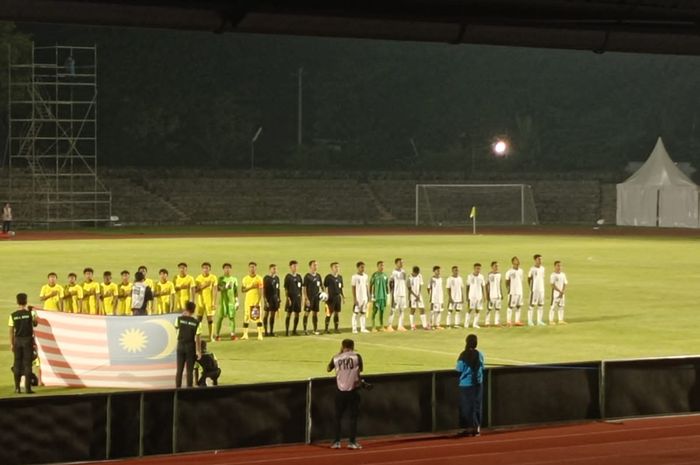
[628, 296]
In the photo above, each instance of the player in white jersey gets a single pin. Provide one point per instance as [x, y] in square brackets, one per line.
[399, 294]
[415, 298]
[559, 283]
[476, 290]
[535, 278]
[436, 298]
[455, 297]
[493, 290]
[360, 295]
[514, 284]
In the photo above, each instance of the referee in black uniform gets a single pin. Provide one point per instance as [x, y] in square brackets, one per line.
[292, 289]
[189, 344]
[271, 292]
[333, 283]
[22, 323]
[313, 286]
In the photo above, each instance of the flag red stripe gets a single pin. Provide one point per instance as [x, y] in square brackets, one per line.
[69, 339]
[86, 354]
[88, 377]
[77, 366]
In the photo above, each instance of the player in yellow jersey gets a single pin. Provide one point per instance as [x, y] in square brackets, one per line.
[252, 286]
[150, 308]
[91, 293]
[108, 294]
[124, 295]
[205, 295]
[72, 295]
[184, 286]
[51, 294]
[164, 294]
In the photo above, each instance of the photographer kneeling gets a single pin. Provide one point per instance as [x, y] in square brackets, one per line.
[348, 366]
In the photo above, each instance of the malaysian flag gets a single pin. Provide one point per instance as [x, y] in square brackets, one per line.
[106, 351]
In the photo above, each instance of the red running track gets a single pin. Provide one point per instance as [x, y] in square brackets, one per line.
[654, 441]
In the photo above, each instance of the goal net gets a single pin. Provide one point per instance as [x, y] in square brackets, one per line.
[497, 204]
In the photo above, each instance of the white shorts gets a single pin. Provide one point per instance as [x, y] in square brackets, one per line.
[436, 307]
[417, 302]
[537, 298]
[398, 303]
[457, 306]
[515, 300]
[361, 307]
[495, 303]
[558, 300]
[476, 304]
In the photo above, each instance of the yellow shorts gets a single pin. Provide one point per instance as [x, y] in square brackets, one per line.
[205, 309]
[252, 313]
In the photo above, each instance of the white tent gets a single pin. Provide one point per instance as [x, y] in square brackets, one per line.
[658, 194]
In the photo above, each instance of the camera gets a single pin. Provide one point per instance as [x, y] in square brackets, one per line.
[365, 385]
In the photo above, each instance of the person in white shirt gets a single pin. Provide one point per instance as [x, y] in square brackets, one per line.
[514, 284]
[535, 278]
[436, 298]
[476, 290]
[415, 298]
[360, 295]
[559, 283]
[455, 297]
[493, 291]
[397, 284]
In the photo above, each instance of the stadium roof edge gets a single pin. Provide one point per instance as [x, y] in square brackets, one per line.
[649, 26]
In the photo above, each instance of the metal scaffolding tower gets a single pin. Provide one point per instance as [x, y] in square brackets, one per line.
[52, 138]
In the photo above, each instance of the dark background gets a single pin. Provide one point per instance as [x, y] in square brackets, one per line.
[194, 99]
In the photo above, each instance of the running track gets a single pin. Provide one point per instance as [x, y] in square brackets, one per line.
[640, 442]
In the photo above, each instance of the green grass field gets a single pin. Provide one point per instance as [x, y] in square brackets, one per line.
[628, 296]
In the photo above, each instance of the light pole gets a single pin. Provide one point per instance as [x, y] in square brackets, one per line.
[252, 147]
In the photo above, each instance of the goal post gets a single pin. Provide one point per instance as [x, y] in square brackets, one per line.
[496, 204]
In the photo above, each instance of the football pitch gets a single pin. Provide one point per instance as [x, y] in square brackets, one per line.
[628, 296]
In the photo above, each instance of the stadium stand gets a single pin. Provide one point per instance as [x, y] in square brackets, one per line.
[182, 196]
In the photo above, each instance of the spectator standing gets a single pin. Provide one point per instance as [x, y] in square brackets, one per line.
[470, 366]
[348, 366]
[6, 218]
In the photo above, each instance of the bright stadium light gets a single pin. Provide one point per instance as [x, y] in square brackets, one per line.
[500, 148]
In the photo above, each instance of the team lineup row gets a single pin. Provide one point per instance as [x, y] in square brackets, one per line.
[217, 297]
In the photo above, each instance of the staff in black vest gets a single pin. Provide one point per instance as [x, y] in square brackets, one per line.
[189, 344]
[22, 323]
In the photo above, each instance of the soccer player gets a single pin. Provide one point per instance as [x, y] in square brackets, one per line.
[205, 295]
[149, 283]
[252, 286]
[475, 292]
[436, 298]
[333, 282]
[378, 289]
[398, 299]
[184, 285]
[271, 290]
[493, 290]
[535, 278]
[455, 297]
[141, 295]
[108, 294]
[164, 294]
[415, 298]
[559, 283]
[360, 297]
[228, 301]
[91, 293]
[73, 295]
[312, 289]
[51, 294]
[124, 296]
[292, 290]
[514, 284]
[189, 343]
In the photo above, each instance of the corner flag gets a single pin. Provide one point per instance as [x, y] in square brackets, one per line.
[472, 213]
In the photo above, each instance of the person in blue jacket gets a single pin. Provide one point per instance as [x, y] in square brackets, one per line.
[470, 366]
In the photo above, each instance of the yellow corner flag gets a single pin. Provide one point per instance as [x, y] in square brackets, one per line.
[472, 213]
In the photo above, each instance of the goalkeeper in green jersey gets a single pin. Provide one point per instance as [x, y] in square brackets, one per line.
[228, 301]
[378, 289]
